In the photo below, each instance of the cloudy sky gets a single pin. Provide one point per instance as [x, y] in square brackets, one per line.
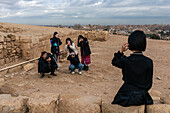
[69, 12]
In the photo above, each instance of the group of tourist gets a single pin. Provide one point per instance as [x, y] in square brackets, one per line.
[48, 62]
[137, 69]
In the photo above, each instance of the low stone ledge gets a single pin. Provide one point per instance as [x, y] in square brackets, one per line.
[110, 108]
[10, 104]
[79, 104]
[43, 103]
[158, 108]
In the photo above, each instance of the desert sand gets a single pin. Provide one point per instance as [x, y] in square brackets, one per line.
[102, 79]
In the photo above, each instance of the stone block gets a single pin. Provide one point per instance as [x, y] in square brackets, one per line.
[79, 104]
[110, 108]
[43, 103]
[158, 108]
[10, 104]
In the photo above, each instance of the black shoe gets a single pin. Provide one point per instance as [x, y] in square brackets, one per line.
[53, 74]
[87, 68]
[84, 67]
[42, 76]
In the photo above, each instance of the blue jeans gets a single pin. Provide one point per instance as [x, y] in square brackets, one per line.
[73, 67]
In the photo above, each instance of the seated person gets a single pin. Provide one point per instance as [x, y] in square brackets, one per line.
[75, 63]
[137, 71]
[46, 64]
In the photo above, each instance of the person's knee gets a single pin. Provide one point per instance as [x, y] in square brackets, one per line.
[71, 67]
[81, 65]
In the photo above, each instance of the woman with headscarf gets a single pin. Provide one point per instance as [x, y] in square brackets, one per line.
[55, 44]
[85, 52]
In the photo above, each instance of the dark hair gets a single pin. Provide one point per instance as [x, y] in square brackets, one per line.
[80, 37]
[55, 34]
[48, 55]
[43, 53]
[137, 41]
[68, 39]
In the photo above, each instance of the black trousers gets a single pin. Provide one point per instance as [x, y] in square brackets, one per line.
[55, 56]
[47, 70]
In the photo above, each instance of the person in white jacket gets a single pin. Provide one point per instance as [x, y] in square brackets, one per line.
[70, 47]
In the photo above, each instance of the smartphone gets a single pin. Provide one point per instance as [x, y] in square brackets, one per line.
[68, 42]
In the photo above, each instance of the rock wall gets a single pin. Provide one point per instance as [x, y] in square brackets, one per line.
[32, 46]
[56, 103]
[10, 50]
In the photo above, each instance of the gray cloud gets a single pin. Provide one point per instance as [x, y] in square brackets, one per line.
[84, 11]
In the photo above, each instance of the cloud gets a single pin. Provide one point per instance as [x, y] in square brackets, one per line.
[81, 10]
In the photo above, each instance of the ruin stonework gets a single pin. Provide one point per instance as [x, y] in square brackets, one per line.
[10, 50]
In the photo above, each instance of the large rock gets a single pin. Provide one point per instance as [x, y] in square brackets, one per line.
[79, 104]
[155, 93]
[109, 108]
[158, 108]
[10, 104]
[1, 38]
[6, 89]
[29, 66]
[165, 99]
[43, 103]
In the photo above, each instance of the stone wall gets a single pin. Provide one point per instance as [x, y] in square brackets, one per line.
[10, 50]
[56, 103]
[32, 46]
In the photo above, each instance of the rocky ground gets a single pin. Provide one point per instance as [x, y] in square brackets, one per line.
[102, 80]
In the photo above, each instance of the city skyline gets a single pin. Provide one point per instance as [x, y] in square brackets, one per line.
[70, 12]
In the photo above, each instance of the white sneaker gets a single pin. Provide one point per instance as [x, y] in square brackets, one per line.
[72, 72]
[80, 73]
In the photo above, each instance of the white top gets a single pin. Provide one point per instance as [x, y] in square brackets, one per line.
[73, 47]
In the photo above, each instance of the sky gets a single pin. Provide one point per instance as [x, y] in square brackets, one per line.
[70, 12]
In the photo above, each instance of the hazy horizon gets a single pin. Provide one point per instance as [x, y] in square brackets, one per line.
[70, 12]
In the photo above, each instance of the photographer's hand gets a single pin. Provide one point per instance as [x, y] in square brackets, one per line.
[124, 48]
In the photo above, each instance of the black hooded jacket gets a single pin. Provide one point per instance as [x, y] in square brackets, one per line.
[85, 47]
[55, 49]
[45, 67]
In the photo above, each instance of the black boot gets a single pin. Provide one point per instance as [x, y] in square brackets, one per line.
[87, 68]
[53, 74]
[42, 76]
[84, 68]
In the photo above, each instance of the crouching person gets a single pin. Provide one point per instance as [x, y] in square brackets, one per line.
[46, 64]
[75, 63]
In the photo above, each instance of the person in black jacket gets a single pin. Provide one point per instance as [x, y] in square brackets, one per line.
[55, 44]
[85, 52]
[75, 63]
[137, 71]
[46, 64]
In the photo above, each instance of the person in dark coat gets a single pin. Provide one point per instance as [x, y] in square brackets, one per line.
[137, 71]
[46, 64]
[85, 52]
[55, 44]
[75, 63]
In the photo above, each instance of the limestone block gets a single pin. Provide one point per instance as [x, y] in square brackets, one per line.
[29, 66]
[79, 104]
[1, 38]
[10, 104]
[43, 103]
[158, 108]
[109, 108]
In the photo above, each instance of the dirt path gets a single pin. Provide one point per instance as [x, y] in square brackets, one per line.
[103, 79]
